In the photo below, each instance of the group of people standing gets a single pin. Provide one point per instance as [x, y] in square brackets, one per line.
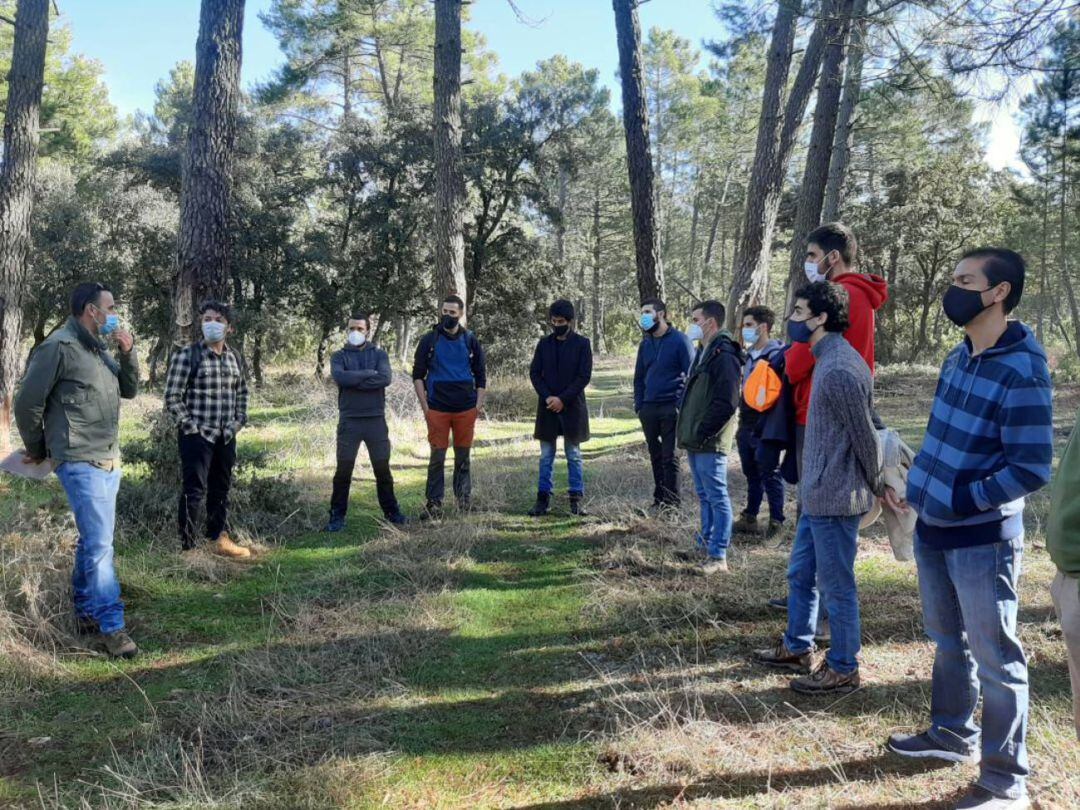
[799, 411]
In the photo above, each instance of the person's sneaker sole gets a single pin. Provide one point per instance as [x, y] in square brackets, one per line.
[836, 690]
[936, 753]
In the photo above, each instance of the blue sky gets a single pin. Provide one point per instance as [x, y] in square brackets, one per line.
[138, 46]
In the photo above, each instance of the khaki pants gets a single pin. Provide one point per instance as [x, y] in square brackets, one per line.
[1065, 592]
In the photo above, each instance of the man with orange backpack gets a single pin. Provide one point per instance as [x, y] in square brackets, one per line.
[760, 392]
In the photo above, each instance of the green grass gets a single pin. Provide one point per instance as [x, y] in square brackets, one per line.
[488, 661]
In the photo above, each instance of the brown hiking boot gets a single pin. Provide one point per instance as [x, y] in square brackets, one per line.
[225, 547]
[775, 530]
[824, 680]
[746, 524]
[119, 644]
[781, 657]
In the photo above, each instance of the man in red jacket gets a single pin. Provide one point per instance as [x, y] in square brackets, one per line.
[831, 255]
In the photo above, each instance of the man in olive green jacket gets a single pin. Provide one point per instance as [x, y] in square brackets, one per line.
[706, 426]
[1063, 543]
[67, 410]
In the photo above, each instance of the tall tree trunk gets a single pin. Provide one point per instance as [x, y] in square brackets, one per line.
[777, 132]
[1063, 233]
[597, 277]
[449, 174]
[845, 122]
[17, 174]
[650, 271]
[204, 247]
[818, 156]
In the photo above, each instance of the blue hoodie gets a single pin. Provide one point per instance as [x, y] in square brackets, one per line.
[988, 444]
[663, 364]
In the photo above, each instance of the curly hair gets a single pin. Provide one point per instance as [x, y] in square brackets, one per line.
[824, 297]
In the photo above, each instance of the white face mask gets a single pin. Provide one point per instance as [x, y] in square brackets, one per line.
[357, 338]
[812, 274]
[695, 333]
[213, 331]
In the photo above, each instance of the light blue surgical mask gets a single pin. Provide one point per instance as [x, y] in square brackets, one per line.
[647, 321]
[750, 335]
[694, 332]
[213, 331]
[112, 323]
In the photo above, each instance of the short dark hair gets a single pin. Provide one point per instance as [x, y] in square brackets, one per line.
[219, 307]
[89, 292]
[761, 315]
[826, 298]
[454, 299]
[711, 308]
[360, 315]
[835, 236]
[655, 303]
[1002, 264]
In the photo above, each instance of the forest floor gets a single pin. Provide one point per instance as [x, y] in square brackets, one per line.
[490, 660]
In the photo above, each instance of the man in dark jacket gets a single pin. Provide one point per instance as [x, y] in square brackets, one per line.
[450, 377]
[706, 426]
[561, 369]
[663, 360]
[362, 373]
[68, 410]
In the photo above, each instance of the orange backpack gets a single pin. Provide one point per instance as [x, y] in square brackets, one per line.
[762, 387]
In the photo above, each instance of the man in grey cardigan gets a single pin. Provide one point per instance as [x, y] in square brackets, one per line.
[841, 478]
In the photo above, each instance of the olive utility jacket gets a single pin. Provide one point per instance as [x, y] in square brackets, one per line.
[68, 403]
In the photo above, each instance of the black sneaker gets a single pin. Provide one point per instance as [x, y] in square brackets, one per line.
[542, 505]
[397, 519]
[923, 746]
[336, 524]
[576, 507]
[778, 603]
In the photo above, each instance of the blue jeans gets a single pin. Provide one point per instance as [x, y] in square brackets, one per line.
[91, 492]
[575, 467]
[969, 609]
[824, 554]
[710, 481]
[759, 482]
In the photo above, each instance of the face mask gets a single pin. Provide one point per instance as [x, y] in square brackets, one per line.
[962, 306]
[799, 331]
[812, 274]
[112, 323]
[449, 323]
[695, 333]
[648, 321]
[357, 338]
[561, 330]
[213, 331]
[749, 335]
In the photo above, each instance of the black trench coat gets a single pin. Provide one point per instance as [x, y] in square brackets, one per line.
[562, 372]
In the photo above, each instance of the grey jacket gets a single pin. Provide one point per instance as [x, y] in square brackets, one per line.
[842, 461]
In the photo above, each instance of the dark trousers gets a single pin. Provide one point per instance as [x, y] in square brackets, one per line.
[759, 482]
[351, 433]
[658, 423]
[206, 470]
[436, 477]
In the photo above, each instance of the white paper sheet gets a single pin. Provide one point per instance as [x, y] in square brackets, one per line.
[15, 465]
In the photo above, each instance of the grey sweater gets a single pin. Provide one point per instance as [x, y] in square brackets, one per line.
[841, 461]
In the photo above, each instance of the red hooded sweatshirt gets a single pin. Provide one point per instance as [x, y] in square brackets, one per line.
[866, 294]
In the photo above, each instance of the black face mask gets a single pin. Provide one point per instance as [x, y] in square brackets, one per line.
[963, 306]
[449, 323]
[561, 330]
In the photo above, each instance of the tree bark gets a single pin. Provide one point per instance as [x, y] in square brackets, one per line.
[819, 154]
[777, 131]
[449, 174]
[597, 278]
[17, 174]
[204, 249]
[650, 272]
[845, 122]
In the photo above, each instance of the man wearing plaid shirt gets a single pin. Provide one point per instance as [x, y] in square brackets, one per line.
[206, 395]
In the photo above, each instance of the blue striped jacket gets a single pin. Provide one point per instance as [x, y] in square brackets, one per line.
[989, 442]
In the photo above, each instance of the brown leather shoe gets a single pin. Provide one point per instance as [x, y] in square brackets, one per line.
[225, 547]
[824, 680]
[781, 657]
[119, 644]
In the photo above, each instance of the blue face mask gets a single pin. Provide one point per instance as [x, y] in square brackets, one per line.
[647, 321]
[799, 332]
[112, 323]
[749, 335]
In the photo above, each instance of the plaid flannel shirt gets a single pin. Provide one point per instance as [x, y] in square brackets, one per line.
[215, 403]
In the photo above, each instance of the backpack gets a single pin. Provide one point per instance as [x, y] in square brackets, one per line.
[762, 388]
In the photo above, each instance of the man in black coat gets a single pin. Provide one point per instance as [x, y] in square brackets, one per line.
[561, 369]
